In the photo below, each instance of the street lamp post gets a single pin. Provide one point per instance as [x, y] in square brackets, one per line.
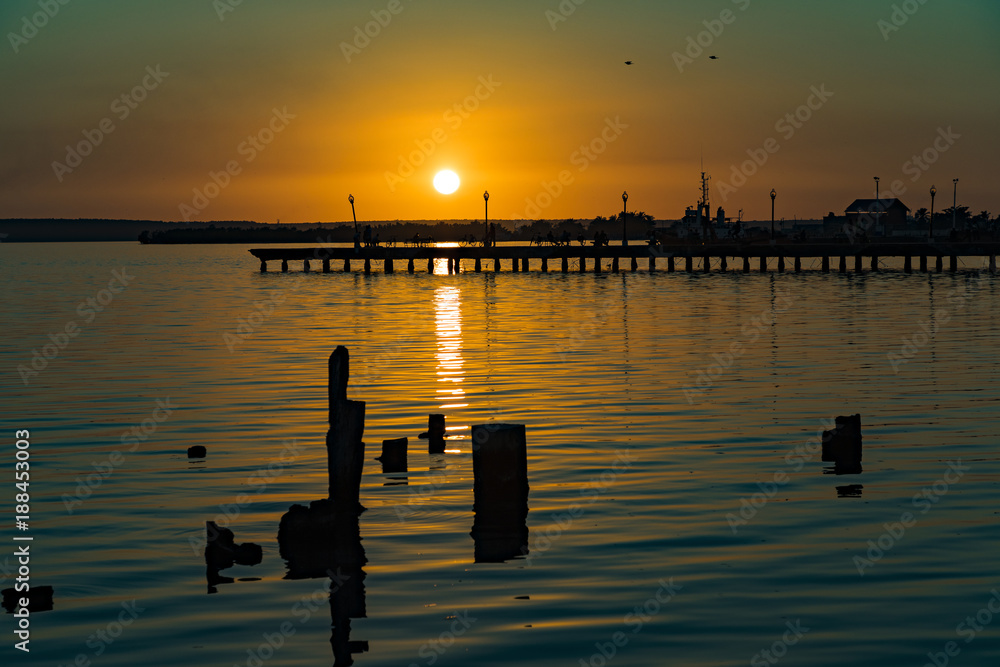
[930, 233]
[625, 218]
[486, 203]
[350, 198]
[878, 203]
[954, 206]
[773, 195]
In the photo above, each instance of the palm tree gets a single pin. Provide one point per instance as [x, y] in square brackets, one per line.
[921, 215]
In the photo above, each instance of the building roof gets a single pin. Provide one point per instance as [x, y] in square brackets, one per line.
[875, 205]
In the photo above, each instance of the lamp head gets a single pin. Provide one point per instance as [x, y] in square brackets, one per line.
[625, 196]
[350, 198]
[933, 191]
[773, 193]
[486, 195]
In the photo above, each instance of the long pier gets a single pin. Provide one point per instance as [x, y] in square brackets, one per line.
[925, 256]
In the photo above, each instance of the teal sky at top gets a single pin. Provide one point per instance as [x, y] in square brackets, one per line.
[561, 79]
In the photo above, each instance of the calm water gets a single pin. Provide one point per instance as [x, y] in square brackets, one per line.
[603, 370]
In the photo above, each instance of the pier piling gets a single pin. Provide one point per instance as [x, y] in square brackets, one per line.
[435, 434]
[500, 491]
[345, 450]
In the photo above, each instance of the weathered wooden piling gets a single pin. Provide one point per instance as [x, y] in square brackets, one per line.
[326, 266]
[939, 264]
[993, 263]
[953, 263]
[368, 267]
[843, 264]
[284, 266]
[670, 264]
[652, 264]
[514, 268]
[614, 265]
[430, 265]
[857, 263]
[479, 265]
[221, 550]
[305, 266]
[923, 263]
[496, 265]
[706, 264]
[565, 264]
[435, 434]
[635, 264]
[689, 264]
[393, 456]
[410, 268]
[908, 264]
[842, 445]
[746, 264]
[387, 265]
[500, 490]
[798, 265]
[345, 450]
[763, 264]
[545, 264]
[524, 264]
[583, 265]
[263, 266]
[347, 266]
[826, 264]
[723, 264]
[875, 263]
[597, 264]
[781, 264]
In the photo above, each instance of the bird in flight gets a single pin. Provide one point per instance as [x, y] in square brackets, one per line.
[628, 62]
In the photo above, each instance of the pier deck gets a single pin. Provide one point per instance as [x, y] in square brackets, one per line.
[692, 257]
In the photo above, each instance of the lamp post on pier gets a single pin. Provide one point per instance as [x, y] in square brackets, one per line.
[625, 218]
[486, 203]
[773, 195]
[930, 230]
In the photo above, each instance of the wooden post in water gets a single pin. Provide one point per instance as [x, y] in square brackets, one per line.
[284, 266]
[826, 264]
[514, 265]
[706, 264]
[394, 455]
[652, 263]
[798, 265]
[545, 264]
[857, 263]
[479, 265]
[843, 264]
[410, 268]
[500, 491]
[689, 264]
[908, 264]
[635, 264]
[345, 450]
[953, 263]
[781, 264]
[993, 263]
[496, 265]
[435, 434]
[746, 264]
[614, 265]
[583, 265]
[875, 263]
[368, 267]
[723, 264]
[430, 265]
[565, 264]
[923, 264]
[670, 264]
[524, 265]
[326, 266]
[939, 263]
[763, 264]
[305, 266]
[347, 266]
[388, 267]
[263, 266]
[597, 264]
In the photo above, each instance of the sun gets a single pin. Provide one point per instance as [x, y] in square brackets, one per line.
[446, 182]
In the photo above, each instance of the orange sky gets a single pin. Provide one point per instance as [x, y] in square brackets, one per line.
[515, 97]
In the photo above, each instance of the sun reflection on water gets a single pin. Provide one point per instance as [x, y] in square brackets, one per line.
[448, 328]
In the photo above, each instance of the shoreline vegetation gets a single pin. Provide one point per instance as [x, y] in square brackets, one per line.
[26, 230]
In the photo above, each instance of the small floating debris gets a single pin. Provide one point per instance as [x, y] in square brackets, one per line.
[197, 452]
[39, 598]
[842, 445]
